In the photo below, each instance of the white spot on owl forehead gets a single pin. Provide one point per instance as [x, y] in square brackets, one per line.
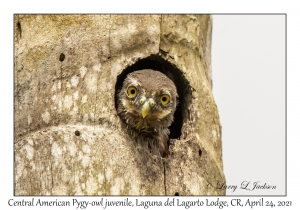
[132, 80]
[166, 92]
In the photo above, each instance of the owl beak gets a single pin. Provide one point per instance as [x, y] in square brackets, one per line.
[145, 109]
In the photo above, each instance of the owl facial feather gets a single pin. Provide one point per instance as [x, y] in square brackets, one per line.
[149, 105]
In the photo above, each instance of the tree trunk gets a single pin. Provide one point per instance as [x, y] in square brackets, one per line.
[69, 139]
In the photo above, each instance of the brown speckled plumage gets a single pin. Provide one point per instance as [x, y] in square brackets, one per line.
[149, 108]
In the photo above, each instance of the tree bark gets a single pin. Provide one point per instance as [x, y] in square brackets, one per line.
[69, 139]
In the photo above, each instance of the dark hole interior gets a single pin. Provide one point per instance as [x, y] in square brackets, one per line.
[62, 57]
[77, 133]
[176, 194]
[19, 28]
[200, 152]
[19, 25]
[183, 88]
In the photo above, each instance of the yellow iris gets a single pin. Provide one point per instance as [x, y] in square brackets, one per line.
[132, 91]
[165, 99]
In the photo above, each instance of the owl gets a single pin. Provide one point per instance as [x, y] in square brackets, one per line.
[146, 103]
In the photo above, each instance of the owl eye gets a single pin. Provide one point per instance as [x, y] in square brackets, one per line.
[132, 91]
[165, 99]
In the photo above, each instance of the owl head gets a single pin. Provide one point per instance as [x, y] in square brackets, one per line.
[147, 101]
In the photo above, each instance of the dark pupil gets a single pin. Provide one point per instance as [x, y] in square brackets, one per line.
[132, 91]
[164, 99]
